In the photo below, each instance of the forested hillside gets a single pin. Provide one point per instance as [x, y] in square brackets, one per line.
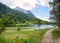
[13, 17]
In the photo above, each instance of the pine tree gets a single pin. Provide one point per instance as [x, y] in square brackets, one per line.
[55, 11]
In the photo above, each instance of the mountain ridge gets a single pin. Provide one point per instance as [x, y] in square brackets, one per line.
[25, 11]
[13, 16]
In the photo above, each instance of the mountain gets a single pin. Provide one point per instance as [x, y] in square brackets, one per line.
[3, 8]
[28, 12]
[20, 9]
[17, 17]
[11, 17]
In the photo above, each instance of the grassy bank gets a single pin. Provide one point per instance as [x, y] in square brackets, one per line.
[56, 33]
[15, 36]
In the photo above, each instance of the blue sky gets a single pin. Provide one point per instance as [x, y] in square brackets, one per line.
[40, 8]
[41, 12]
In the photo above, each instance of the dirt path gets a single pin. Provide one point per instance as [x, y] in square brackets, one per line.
[48, 38]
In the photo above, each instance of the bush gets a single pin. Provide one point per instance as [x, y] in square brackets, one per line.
[1, 29]
[18, 29]
[56, 33]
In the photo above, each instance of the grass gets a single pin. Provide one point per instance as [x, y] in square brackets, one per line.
[56, 33]
[14, 36]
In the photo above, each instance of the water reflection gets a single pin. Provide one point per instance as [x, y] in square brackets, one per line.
[32, 27]
[42, 26]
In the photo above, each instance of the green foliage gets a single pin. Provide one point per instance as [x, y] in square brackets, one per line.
[2, 29]
[56, 33]
[3, 8]
[18, 29]
[11, 17]
[34, 36]
[55, 11]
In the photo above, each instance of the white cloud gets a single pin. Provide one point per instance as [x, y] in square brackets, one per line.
[44, 2]
[25, 4]
[43, 18]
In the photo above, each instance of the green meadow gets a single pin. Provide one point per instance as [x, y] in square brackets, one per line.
[15, 36]
[56, 33]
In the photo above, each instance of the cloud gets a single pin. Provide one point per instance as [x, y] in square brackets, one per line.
[43, 18]
[25, 4]
[44, 2]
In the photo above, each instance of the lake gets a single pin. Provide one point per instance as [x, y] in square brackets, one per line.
[37, 26]
[42, 26]
[32, 27]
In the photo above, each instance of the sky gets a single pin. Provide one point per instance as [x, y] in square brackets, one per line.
[40, 8]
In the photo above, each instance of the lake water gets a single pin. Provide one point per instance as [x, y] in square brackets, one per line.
[42, 26]
[38, 27]
[32, 27]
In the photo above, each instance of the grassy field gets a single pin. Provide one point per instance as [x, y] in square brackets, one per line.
[56, 33]
[15, 36]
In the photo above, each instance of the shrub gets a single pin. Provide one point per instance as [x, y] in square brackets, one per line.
[1, 29]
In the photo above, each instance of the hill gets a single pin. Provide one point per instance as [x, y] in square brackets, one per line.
[13, 17]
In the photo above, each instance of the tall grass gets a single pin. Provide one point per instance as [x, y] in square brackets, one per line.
[15, 36]
[56, 33]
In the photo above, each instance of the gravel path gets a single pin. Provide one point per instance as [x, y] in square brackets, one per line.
[48, 38]
[57, 41]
